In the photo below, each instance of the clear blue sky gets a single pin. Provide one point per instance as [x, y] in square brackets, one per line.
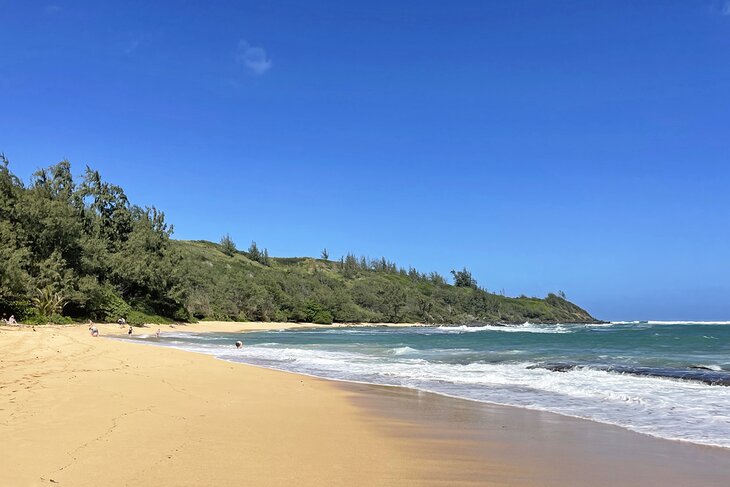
[574, 145]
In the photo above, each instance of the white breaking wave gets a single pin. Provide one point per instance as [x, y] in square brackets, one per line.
[655, 322]
[716, 368]
[666, 408]
[524, 328]
[402, 350]
[688, 322]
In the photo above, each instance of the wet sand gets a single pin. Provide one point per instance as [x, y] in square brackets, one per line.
[77, 410]
[525, 447]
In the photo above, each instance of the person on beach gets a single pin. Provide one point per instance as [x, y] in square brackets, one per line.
[121, 322]
[239, 344]
[129, 332]
[158, 333]
[94, 331]
[11, 320]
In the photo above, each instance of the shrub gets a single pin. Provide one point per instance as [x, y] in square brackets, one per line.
[228, 246]
[322, 317]
[40, 319]
[49, 302]
[138, 318]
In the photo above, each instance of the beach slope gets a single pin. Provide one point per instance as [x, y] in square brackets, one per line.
[82, 411]
[77, 410]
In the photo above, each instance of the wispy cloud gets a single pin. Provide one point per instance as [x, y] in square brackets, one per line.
[254, 58]
[132, 46]
[51, 9]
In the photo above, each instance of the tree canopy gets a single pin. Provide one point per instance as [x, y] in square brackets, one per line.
[85, 247]
[463, 278]
[79, 249]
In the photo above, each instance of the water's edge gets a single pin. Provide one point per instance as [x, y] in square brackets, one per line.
[542, 410]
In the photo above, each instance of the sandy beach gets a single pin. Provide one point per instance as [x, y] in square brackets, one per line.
[77, 410]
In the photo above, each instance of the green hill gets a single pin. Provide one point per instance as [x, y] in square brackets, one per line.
[73, 250]
[350, 290]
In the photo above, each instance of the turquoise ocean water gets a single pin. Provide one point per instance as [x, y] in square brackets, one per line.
[670, 380]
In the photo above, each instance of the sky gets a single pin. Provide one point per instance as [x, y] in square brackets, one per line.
[564, 145]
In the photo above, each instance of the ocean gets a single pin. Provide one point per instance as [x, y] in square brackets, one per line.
[666, 379]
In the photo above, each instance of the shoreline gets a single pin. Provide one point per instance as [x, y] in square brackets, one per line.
[77, 410]
[245, 327]
[213, 326]
[540, 448]
[426, 438]
[444, 395]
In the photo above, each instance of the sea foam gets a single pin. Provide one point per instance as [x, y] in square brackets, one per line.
[665, 408]
[524, 328]
[620, 384]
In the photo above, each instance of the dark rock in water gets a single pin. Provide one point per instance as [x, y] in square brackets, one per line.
[708, 376]
[557, 367]
[697, 373]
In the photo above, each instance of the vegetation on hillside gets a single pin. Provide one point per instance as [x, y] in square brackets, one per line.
[349, 290]
[72, 250]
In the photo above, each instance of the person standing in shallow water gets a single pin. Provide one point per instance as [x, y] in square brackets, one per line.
[239, 344]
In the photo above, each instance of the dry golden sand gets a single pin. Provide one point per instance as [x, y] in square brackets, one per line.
[77, 410]
[233, 326]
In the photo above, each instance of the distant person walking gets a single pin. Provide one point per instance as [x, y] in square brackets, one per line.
[158, 333]
[129, 332]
